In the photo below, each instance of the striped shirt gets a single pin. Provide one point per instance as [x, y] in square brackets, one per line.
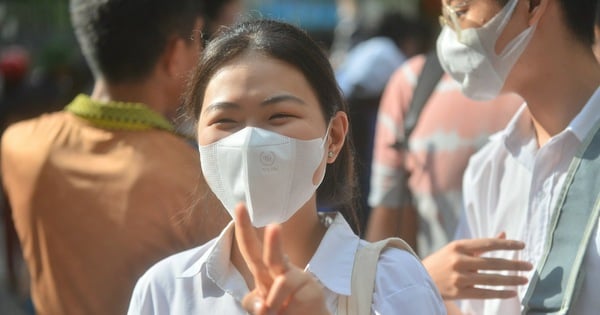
[450, 129]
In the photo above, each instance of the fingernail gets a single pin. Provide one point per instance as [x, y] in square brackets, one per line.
[529, 265]
[257, 306]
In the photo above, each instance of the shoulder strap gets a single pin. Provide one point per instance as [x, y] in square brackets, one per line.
[428, 79]
[559, 274]
[363, 277]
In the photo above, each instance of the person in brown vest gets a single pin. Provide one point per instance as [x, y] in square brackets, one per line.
[105, 188]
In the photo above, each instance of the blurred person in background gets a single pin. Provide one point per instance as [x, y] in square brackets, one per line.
[369, 64]
[15, 68]
[362, 77]
[416, 183]
[41, 81]
[102, 190]
[354, 17]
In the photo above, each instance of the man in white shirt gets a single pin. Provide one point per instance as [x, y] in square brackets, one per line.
[541, 50]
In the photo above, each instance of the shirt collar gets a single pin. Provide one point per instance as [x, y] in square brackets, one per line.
[519, 135]
[118, 115]
[218, 267]
[583, 123]
[333, 261]
[219, 248]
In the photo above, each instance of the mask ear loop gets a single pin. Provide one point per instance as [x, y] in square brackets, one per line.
[507, 11]
[326, 134]
[330, 154]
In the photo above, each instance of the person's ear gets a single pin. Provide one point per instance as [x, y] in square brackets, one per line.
[337, 135]
[176, 58]
[181, 54]
[536, 10]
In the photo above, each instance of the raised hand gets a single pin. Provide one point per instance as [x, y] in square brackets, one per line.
[456, 269]
[279, 286]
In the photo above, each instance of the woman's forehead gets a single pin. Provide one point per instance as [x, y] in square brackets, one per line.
[258, 70]
[257, 77]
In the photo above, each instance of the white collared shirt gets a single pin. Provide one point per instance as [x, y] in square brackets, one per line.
[203, 280]
[511, 185]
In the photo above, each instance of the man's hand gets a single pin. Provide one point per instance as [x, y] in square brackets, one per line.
[457, 269]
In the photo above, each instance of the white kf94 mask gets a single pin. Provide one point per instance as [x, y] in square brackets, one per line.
[472, 59]
[269, 172]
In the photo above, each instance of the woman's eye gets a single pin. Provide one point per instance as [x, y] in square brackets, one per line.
[280, 116]
[223, 121]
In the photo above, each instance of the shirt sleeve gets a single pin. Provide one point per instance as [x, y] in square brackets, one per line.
[402, 283]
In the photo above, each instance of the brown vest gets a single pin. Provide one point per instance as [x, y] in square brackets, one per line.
[95, 208]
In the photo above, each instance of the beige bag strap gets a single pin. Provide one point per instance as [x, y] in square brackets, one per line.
[363, 277]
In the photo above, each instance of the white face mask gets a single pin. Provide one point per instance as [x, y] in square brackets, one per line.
[271, 173]
[472, 60]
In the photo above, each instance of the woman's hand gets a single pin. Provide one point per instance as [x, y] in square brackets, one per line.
[279, 286]
[456, 269]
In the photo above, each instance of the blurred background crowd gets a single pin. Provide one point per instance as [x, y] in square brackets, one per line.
[42, 70]
[41, 67]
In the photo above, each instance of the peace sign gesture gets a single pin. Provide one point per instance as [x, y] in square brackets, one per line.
[279, 286]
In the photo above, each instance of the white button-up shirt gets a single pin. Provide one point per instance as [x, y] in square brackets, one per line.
[512, 185]
[204, 281]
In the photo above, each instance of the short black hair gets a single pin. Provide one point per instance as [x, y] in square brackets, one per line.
[580, 17]
[213, 9]
[293, 46]
[123, 39]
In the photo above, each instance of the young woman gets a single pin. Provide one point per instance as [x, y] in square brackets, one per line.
[271, 130]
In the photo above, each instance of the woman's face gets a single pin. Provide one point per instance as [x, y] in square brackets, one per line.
[259, 91]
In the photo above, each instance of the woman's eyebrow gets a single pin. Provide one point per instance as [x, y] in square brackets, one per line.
[281, 98]
[221, 106]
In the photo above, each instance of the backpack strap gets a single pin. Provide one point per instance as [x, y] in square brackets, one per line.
[363, 276]
[560, 273]
[429, 78]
